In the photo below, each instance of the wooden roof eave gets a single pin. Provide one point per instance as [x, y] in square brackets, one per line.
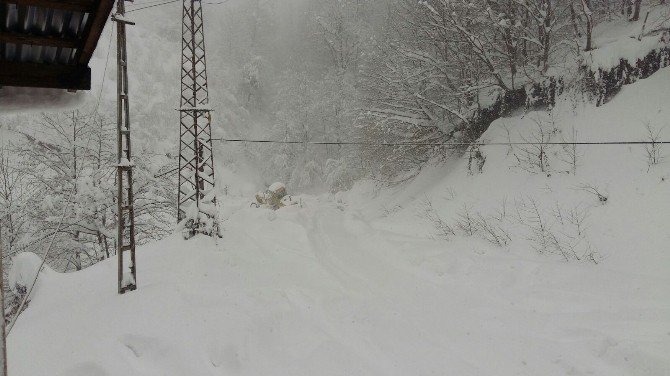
[70, 77]
[74, 76]
[93, 31]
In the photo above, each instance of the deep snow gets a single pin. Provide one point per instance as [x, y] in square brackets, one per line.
[362, 283]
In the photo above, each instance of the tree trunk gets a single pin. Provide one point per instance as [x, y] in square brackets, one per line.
[546, 40]
[588, 15]
[636, 13]
[573, 19]
[589, 34]
[3, 342]
[104, 239]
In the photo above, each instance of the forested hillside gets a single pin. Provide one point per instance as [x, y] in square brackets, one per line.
[365, 72]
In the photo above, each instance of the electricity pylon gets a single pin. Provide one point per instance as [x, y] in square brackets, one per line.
[196, 198]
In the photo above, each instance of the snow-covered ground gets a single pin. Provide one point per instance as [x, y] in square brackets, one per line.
[371, 282]
[623, 39]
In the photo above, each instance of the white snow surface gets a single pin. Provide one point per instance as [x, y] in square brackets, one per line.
[623, 39]
[361, 283]
[630, 49]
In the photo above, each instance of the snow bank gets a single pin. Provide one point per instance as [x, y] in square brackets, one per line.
[364, 284]
[623, 39]
[629, 49]
[25, 266]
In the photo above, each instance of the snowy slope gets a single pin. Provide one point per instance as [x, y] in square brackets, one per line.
[637, 206]
[323, 293]
[630, 40]
[362, 283]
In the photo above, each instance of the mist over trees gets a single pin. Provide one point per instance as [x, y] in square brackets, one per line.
[395, 71]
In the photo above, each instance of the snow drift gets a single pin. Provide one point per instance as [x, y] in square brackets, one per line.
[364, 282]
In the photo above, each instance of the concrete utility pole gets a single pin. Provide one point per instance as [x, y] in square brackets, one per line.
[196, 199]
[127, 272]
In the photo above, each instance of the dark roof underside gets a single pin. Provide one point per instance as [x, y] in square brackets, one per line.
[49, 43]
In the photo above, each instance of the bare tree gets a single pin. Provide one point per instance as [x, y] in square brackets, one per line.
[653, 145]
[571, 154]
[69, 164]
[15, 202]
[636, 12]
[534, 156]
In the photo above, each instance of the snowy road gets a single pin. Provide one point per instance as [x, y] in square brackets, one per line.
[323, 290]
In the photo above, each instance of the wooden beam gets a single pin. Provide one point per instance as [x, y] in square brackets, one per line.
[87, 6]
[37, 40]
[22, 14]
[45, 76]
[3, 16]
[93, 31]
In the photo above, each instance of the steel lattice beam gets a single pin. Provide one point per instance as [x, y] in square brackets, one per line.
[196, 160]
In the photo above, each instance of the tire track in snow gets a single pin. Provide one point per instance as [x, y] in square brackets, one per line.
[337, 250]
[357, 255]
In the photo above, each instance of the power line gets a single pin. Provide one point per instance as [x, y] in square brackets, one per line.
[363, 143]
[104, 72]
[173, 1]
[143, 3]
[151, 6]
[166, 173]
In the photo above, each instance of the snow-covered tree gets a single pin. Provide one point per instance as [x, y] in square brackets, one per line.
[68, 165]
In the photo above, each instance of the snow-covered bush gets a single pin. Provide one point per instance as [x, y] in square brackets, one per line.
[24, 270]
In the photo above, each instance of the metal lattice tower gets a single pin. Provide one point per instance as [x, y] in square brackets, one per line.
[196, 201]
[127, 272]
